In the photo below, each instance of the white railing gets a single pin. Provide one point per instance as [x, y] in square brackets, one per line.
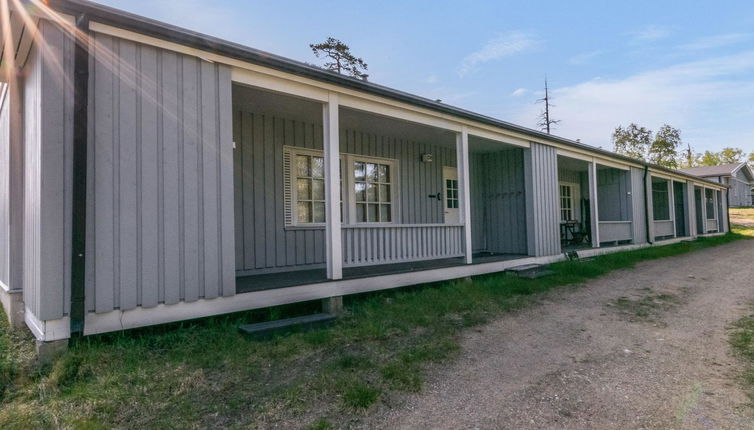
[615, 231]
[365, 245]
[664, 228]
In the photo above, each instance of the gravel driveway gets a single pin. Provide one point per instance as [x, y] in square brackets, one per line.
[641, 348]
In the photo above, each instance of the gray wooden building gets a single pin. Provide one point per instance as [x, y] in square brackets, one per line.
[149, 174]
[739, 178]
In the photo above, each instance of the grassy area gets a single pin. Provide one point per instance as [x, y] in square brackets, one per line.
[743, 216]
[205, 374]
[742, 341]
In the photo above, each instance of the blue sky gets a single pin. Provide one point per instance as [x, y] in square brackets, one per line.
[689, 64]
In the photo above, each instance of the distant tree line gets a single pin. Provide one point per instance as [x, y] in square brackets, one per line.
[666, 148]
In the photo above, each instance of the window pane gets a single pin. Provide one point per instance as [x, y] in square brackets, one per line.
[359, 171]
[385, 213]
[318, 213]
[318, 189]
[360, 191]
[318, 167]
[304, 189]
[302, 165]
[385, 193]
[371, 172]
[361, 212]
[371, 192]
[372, 213]
[304, 212]
[384, 173]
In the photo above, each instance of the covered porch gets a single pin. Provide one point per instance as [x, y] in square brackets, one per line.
[595, 204]
[402, 202]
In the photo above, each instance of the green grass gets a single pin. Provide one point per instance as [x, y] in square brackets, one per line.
[205, 374]
[742, 342]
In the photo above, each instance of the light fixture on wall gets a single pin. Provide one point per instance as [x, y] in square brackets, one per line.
[427, 158]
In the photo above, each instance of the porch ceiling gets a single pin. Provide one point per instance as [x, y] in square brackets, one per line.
[573, 164]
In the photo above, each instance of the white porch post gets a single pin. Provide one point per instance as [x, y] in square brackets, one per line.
[331, 142]
[691, 212]
[594, 207]
[673, 215]
[464, 190]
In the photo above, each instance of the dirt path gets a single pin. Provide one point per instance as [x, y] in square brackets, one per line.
[642, 348]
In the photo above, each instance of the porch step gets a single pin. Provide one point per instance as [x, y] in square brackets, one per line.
[269, 329]
[530, 271]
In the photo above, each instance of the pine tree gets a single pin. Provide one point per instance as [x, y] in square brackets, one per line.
[342, 61]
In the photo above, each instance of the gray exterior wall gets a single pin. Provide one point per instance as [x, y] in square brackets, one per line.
[613, 195]
[740, 190]
[638, 209]
[264, 243]
[160, 197]
[4, 187]
[48, 140]
[498, 203]
[541, 178]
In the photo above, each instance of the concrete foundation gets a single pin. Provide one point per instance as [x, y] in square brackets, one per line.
[13, 305]
[47, 352]
[333, 305]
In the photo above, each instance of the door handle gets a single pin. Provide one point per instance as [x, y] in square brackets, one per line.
[437, 196]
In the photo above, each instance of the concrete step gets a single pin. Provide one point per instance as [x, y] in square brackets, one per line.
[269, 329]
[530, 271]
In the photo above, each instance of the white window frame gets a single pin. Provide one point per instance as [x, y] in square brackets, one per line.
[714, 204]
[295, 152]
[350, 182]
[575, 198]
[347, 188]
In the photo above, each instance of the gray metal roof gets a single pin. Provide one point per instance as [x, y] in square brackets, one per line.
[164, 31]
[708, 171]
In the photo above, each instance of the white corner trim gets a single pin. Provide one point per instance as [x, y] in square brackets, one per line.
[7, 288]
[48, 331]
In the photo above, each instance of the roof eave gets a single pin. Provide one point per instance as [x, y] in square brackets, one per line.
[175, 34]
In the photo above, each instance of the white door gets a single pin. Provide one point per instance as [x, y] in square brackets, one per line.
[450, 179]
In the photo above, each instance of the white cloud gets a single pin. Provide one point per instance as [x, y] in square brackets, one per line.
[584, 57]
[650, 33]
[519, 92]
[717, 41]
[431, 79]
[706, 99]
[499, 47]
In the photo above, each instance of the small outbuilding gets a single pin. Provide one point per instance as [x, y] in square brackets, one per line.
[738, 177]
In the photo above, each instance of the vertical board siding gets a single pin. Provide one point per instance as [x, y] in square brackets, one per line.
[639, 215]
[48, 155]
[363, 246]
[613, 199]
[5, 186]
[267, 244]
[160, 198]
[740, 190]
[498, 202]
[541, 163]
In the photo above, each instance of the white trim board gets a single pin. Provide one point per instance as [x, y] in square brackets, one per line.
[162, 314]
[48, 331]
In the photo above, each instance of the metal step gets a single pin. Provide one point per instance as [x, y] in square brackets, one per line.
[269, 329]
[530, 271]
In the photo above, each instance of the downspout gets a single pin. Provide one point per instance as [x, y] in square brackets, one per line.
[646, 205]
[80, 136]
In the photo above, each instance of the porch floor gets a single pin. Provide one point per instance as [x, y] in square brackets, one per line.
[268, 281]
